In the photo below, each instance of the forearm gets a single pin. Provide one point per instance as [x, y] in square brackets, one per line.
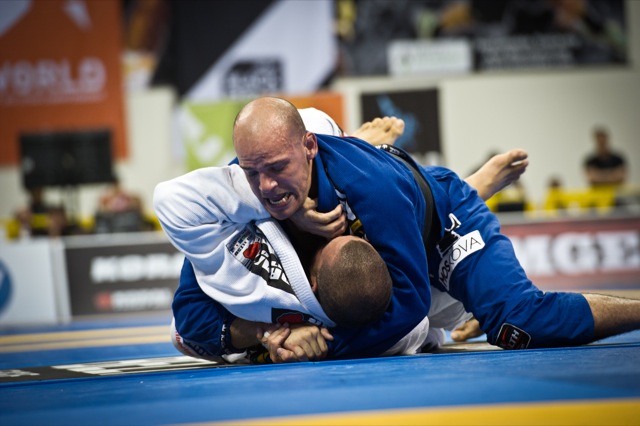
[244, 333]
[604, 177]
[200, 320]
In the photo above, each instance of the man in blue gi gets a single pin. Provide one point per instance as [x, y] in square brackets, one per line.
[429, 226]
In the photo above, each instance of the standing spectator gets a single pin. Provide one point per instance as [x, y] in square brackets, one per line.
[604, 166]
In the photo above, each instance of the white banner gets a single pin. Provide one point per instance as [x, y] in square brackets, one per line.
[290, 49]
[33, 288]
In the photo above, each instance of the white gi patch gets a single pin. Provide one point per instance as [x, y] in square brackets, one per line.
[462, 248]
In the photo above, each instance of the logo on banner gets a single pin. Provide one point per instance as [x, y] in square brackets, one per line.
[49, 81]
[135, 267]
[249, 78]
[5, 287]
[137, 299]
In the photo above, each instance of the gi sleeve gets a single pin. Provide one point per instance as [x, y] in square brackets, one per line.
[198, 211]
[201, 209]
[203, 323]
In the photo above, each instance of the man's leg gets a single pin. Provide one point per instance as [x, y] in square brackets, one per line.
[613, 315]
[477, 265]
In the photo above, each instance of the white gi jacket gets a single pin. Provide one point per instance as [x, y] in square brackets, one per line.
[240, 255]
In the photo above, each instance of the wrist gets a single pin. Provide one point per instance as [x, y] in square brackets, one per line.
[243, 333]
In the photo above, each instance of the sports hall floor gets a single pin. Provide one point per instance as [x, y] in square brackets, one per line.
[124, 371]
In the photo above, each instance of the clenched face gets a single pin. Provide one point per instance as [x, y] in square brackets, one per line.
[277, 161]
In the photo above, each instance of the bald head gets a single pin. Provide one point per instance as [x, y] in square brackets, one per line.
[267, 115]
[352, 282]
[276, 153]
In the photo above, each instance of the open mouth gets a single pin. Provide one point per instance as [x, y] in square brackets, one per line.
[279, 201]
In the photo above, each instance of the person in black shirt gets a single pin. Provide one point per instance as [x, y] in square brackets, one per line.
[604, 166]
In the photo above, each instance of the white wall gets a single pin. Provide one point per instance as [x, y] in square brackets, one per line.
[550, 114]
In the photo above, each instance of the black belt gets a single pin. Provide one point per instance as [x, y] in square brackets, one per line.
[429, 235]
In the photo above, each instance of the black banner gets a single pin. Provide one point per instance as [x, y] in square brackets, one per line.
[121, 275]
[420, 111]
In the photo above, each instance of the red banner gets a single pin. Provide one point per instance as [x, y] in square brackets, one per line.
[60, 70]
[574, 254]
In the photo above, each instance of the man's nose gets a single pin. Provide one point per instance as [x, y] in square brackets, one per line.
[267, 183]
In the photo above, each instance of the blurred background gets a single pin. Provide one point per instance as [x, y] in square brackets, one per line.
[100, 100]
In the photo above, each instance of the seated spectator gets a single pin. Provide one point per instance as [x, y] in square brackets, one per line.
[555, 199]
[604, 166]
[33, 217]
[117, 200]
[119, 211]
[59, 224]
[513, 198]
[40, 219]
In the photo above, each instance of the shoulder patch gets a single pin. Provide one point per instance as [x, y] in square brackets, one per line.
[252, 249]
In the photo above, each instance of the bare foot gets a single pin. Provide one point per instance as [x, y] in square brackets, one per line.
[500, 171]
[385, 130]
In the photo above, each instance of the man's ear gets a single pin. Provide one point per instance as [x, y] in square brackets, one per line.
[311, 145]
[314, 283]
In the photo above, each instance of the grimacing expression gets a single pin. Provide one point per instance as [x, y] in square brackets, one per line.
[278, 169]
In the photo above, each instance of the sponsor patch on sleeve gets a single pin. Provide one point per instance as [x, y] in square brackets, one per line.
[512, 337]
[456, 253]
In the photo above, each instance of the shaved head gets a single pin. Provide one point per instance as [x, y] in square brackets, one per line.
[276, 153]
[351, 281]
[267, 115]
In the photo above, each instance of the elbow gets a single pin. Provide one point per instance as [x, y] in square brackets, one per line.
[162, 196]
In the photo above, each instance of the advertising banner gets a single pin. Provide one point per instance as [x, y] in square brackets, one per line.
[238, 49]
[32, 295]
[453, 36]
[420, 111]
[60, 70]
[121, 273]
[575, 255]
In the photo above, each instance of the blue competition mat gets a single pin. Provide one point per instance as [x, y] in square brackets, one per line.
[125, 373]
